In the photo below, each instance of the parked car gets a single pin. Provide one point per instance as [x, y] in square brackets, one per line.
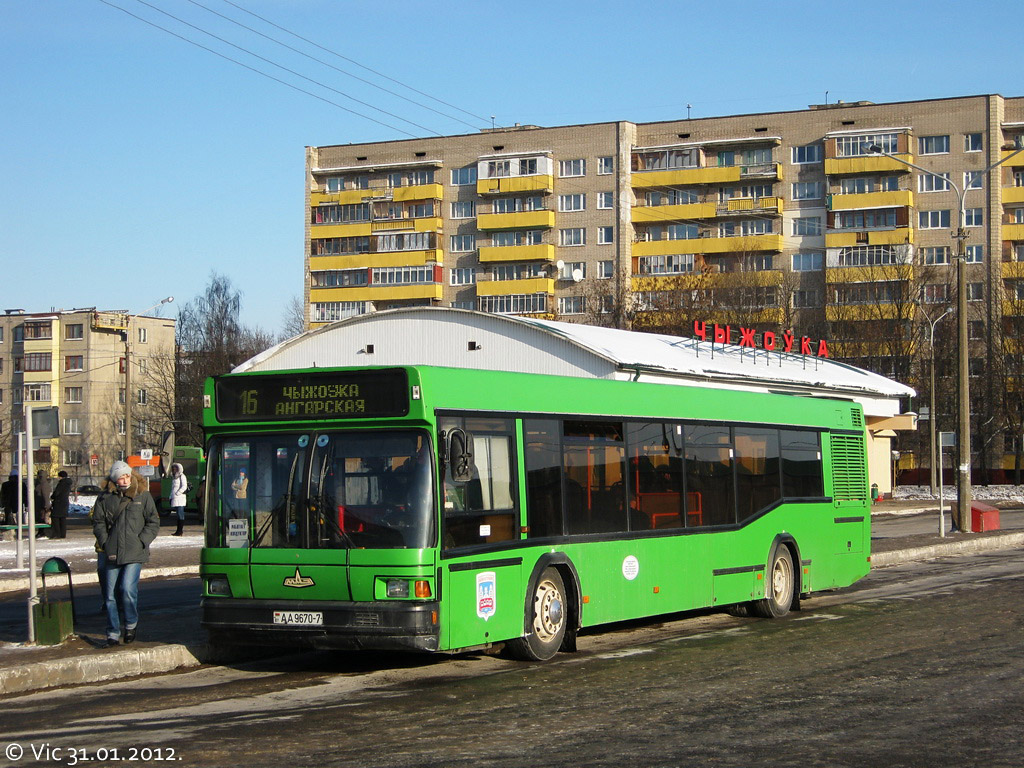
[88, 490]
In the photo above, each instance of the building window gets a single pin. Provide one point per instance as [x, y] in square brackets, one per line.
[72, 427]
[666, 159]
[575, 202]
[974, 217]
[339, 278]
[37, 393]
[463, 243]
[517, 271]
[74, 331]
[975, 329]
[143, 397]
[38, 330]
[514, 304]
[605, 235]
[517, 238]
[330, 311]
[469, 304]
[933, 145]
[574, 236]
[72, 458]
[605, 270]
[674, 264]
[72, 394]
[933, 219]
[928, 182]
[74, 362]
[605, 200]
[463, 176]
[807, 225]
[570, 305]
[568, 168]
[809, 153]
[340, 214]
[808, 190]
[806, 299]
[463, 209]
[463, 276]
[972, 142]
[421, 275]
[935, 255]
[858, 185]
[974, 254]
[605, 165]
[862, 144]
[975, 291]
[935, 293]
[517, 204]
[974, 179]
[570, 268]
[808, 262]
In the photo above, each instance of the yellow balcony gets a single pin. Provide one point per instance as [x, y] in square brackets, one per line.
[518, 220]
[1013, 270]
[685, 176]
[897, 236]
[542, 252]
[511, 287]
[345, 197]
[417, 192]
[1013, 232]
[879, 272]
[1013, 195]
[1013, 308]
[377, 293]
[694, 280]
[43, 345]
[869, 312]
[1015, 160]
[41, 377]
[425, 224]
[709, 245]
[897, 197]
[325, 231]
[510, 184]
[844, 166]
[390, 259]
[771, 206]
[647, 214]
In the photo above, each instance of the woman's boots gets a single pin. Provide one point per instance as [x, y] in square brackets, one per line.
[181, 524]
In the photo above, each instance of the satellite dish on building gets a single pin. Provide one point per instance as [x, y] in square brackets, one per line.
[559, 265]
[577, 275]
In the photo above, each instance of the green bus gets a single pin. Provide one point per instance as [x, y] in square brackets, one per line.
[438, 509]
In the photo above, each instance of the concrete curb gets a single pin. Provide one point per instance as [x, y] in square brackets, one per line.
[130, 662]
[90, 577]
[96, 668]
[948, 549]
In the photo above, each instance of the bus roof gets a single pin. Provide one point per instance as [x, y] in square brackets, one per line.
[467, 339]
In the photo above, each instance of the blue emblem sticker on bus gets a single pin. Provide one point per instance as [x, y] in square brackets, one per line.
[303, 441]
[323, 440]
[486, 594]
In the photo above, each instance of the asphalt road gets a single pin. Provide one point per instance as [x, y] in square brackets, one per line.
[918, 665]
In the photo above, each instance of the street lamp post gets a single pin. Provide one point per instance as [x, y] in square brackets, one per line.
[128, 376]
[931, 395]
[962, 518]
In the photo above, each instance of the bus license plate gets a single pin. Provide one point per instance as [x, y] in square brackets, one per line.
[300, 618]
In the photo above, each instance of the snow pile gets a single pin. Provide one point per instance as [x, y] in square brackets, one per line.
[979, 492]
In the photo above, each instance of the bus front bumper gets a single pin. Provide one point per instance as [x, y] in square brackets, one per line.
[398, 625]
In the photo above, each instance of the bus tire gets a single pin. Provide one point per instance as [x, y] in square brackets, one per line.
[780, 585]
[547, 618]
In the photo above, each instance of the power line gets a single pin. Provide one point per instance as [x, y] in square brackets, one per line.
[286, 69]
[331, 66]
[353, 61]
[257, 71]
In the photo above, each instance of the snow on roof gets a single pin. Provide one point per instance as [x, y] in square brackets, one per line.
[439, 336]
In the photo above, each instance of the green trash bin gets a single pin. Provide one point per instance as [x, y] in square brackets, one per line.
[54, 620]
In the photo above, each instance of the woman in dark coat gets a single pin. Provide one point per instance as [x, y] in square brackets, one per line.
[61, 499]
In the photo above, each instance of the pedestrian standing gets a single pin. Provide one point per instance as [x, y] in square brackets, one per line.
[61, 501]
[125, 522]
[43, 506]
[9, 499]
[179, 487]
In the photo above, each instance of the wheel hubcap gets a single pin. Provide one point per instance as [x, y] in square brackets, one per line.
[548, 614]
[781, 580]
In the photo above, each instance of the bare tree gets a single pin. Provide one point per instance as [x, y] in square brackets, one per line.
[294, 318]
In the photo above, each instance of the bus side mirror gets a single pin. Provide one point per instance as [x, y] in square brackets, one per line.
[459, 455]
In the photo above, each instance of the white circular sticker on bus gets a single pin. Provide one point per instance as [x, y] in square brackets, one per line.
[630, 567]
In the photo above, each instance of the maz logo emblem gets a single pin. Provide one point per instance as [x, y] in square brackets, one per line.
[298, 580]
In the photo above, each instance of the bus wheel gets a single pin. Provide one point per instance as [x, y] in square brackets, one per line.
[780, 588]
[547, 620]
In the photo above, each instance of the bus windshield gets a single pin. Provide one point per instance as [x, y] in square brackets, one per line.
[317, 490]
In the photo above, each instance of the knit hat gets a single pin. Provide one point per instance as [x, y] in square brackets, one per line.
[118, 469]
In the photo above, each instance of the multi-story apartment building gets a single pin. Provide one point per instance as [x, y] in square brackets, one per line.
[75, 360]
[784, 220]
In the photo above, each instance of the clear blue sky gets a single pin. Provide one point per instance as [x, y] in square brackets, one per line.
[133, 164]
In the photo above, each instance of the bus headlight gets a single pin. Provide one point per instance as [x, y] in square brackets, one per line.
[397, 588]
[218, 586]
